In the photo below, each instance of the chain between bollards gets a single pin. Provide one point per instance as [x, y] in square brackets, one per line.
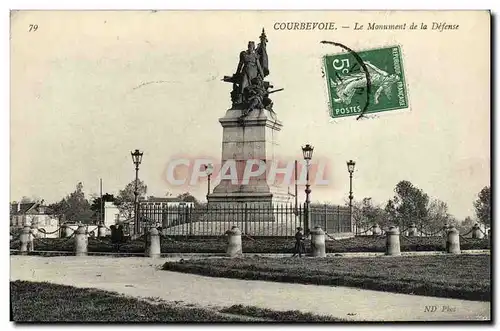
[42, 230]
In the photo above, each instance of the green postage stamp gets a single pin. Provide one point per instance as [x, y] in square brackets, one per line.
[365, 82]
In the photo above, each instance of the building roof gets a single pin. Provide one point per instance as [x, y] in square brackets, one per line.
[29, 208]
[21, 208]
[160, 199]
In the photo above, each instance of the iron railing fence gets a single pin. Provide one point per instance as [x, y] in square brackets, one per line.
[331, 218]
[266, 220]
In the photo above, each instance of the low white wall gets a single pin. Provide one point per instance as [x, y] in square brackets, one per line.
[49, 229]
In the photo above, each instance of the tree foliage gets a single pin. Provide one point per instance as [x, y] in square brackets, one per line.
[410, 205]
[391, 212]
[188, 197]
[74, 207]
[96, 205]
[125, 198]
[483, 206]
[466, 225]
[365, 214]
[438, 216]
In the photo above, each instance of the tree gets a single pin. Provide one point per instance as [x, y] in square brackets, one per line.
[373, 213]
[96, 205]
[58, 209]
[74, 207]
[390, 212]
[125, 198]
[357, 214]
[365, 214]
[438, 216]
[410, 204]
[466, 225]
[483, 206]
[187, 197]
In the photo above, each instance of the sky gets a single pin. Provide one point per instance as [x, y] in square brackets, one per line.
[89, 87]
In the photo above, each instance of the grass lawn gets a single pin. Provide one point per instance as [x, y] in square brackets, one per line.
[259, 245]
[45, 302]
[453, 276]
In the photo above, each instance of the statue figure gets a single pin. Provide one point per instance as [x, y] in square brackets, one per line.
[254, 94]
[249, 88]
[257, 97]
[248, 67]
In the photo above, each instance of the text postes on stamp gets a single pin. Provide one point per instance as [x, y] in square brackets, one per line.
[381, 76]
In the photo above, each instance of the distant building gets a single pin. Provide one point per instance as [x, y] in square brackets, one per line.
[164, 202]
[152, 206]
[32, 213]
[112, 214]
[164, 212]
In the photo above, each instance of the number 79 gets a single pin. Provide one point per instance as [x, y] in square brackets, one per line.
[33, 27]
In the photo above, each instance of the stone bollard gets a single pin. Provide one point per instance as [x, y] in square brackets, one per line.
[31, 241]
[476, 232]
[376, 231]
[67, 231]
[412, 230]
[392, 246]
[25, 238]
[453, 241]
[81, 241]
[34, 230]
[101, 231]
[318, 248]
[234, 242]
[153, 248]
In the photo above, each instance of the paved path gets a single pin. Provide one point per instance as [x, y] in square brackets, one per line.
[173, 256]
[141, 277]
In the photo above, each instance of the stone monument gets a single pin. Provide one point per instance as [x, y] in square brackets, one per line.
[250, 133]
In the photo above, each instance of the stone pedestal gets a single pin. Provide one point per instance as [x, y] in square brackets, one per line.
[318, 248]
[392, 246]
[453, 241]
[234, 246]
[81, 241]
[255, 139]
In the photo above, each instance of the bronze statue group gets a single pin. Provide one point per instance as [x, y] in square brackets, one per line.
[250, 91]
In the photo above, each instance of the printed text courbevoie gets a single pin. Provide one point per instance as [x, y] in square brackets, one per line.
[304, 26]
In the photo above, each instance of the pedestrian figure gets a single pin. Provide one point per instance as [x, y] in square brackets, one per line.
[121, 235]
[299, 243]
[115, 238]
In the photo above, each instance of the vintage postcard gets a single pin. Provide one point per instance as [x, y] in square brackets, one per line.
[250, 166]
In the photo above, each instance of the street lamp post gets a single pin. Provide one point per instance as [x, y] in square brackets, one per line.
[307, 152]
[209, 169]
[137, 159]
[350, 168]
